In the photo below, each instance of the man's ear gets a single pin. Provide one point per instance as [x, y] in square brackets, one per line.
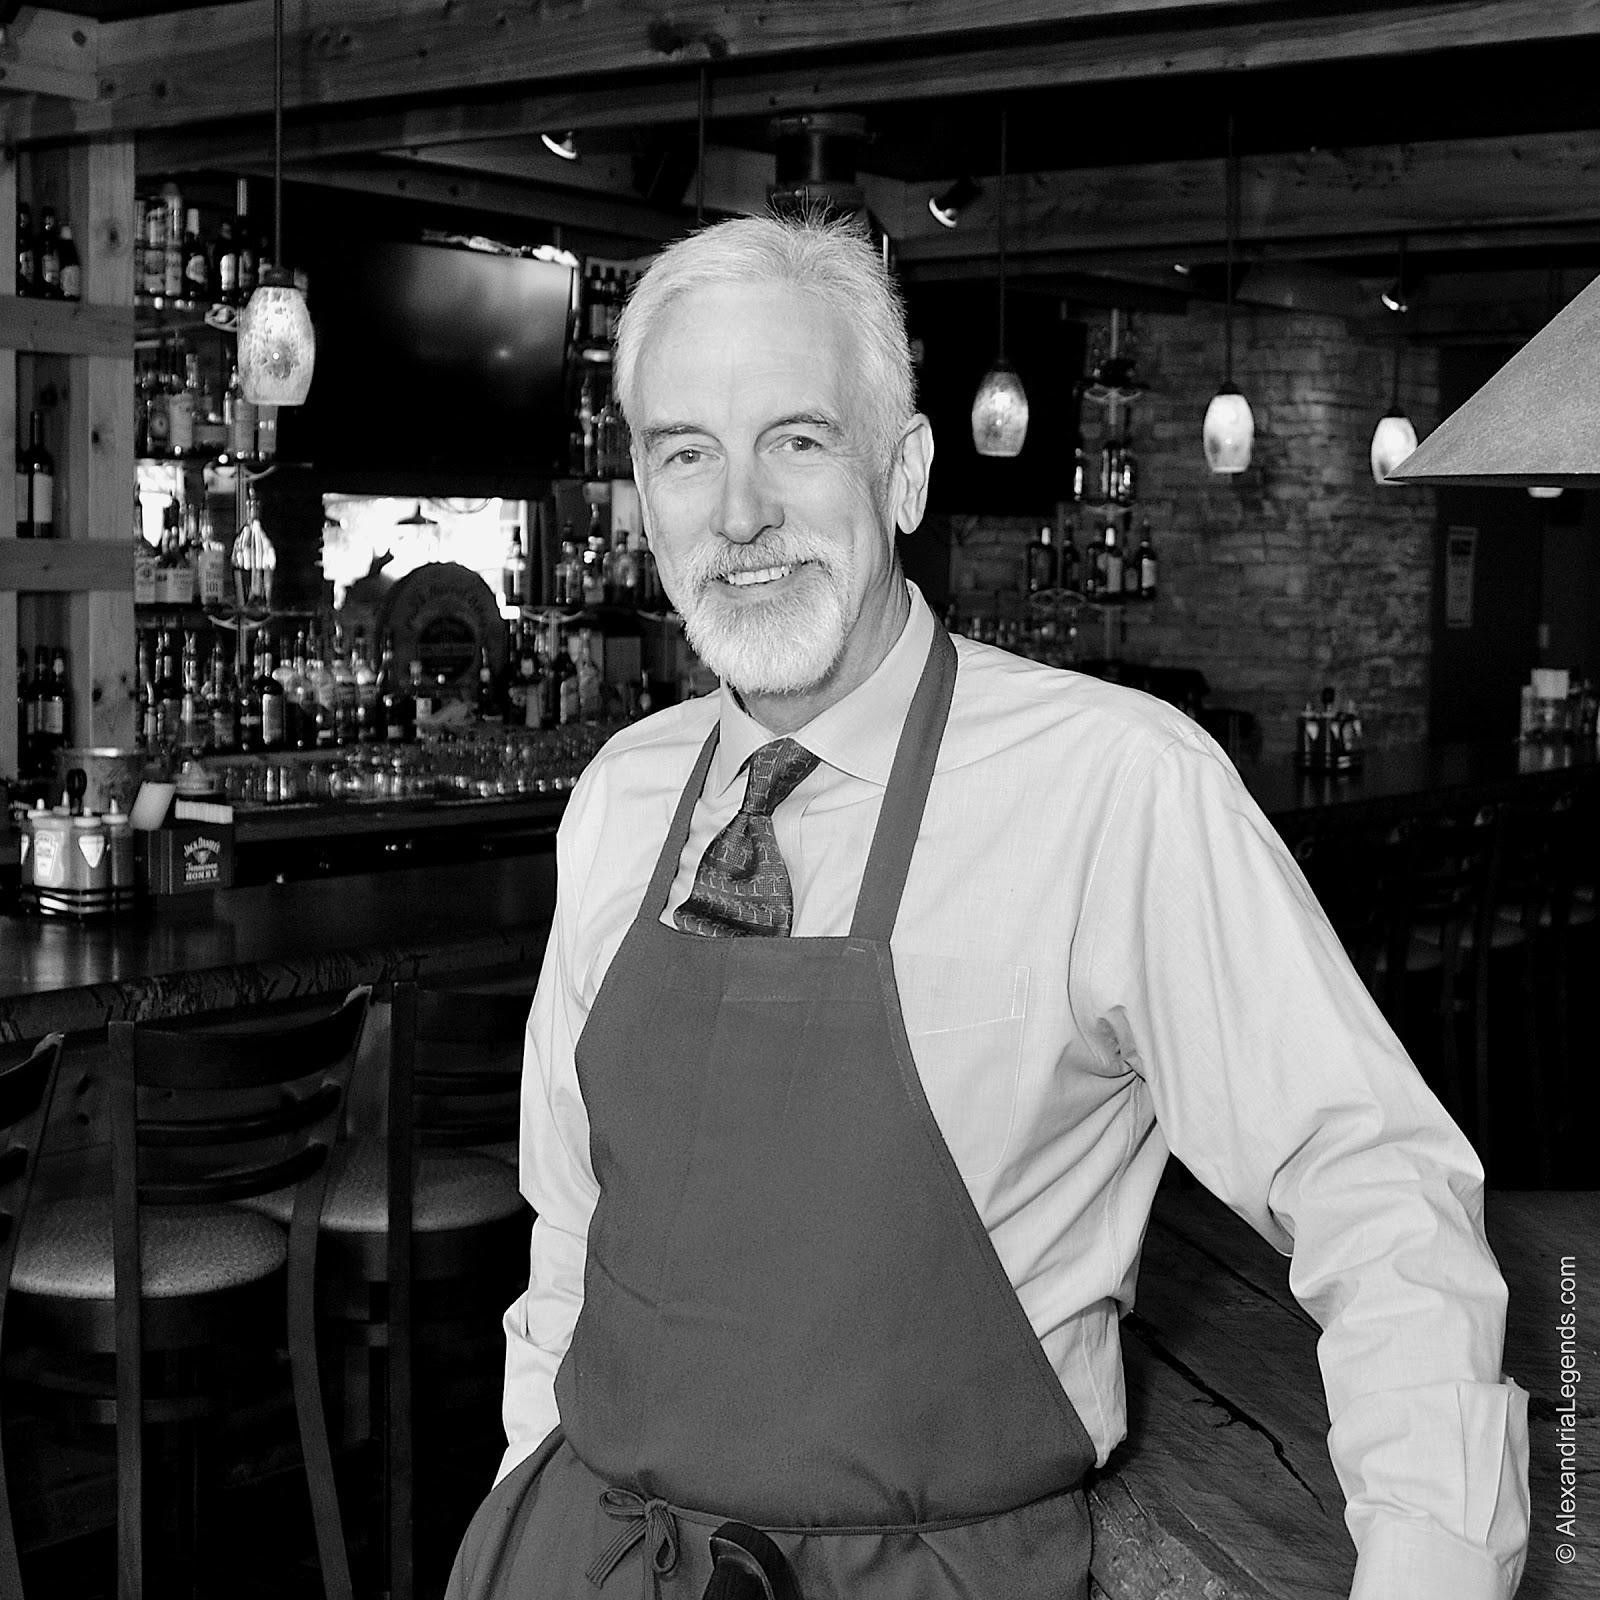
[908, 477]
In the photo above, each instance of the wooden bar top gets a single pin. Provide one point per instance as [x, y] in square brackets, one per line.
[251, 946]
[1223, 1489]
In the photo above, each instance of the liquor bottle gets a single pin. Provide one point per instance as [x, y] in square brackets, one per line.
[52, 712]
[1148, 570]
[1042, 570]
[172, 258]
[566, 695]
[248, 701]
[1069, 577]
[487, 702]
[212, 576]
[423, 699]
[398, 713]
[183, 406]
[266, 432]
[268, 692]
[650, 595]
[569, 571]
[196, 267]
[1127, 468]
[71, 265]
[1080, 471]
[368, 713]
[224, 710]
[168, 693]
[192, 733]
[594, 561]
[551, 655]
[152, 276]
[49, 255]
[1110, 564]
[249, 253]
[303, 715]
[325, 698]
[144, 704]
[157, 409]
[645, 701]
[344, 690]
[27, 261]
[514, 571]
[241, 418]
[36, 485]
[1130, 569]
[224, 265]
[33, 697]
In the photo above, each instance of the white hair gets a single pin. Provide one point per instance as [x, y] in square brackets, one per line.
[833, 261]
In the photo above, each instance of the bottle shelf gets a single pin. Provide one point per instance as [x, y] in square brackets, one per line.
[65, 327]
[64, 566]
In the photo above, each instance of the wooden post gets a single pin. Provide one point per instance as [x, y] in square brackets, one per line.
[9, 708]
[100, 447]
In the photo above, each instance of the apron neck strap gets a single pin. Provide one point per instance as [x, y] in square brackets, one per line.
[900, 817]
[655, 897]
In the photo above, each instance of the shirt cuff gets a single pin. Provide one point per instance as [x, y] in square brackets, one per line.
[1422, 1562]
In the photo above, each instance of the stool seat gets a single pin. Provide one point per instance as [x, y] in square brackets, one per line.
[65, 1250]
[454, 1189]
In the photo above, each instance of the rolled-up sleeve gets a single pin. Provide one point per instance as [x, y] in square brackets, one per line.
[1278, 1083]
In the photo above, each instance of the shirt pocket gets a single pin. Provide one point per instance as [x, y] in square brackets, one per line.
[965, 1020]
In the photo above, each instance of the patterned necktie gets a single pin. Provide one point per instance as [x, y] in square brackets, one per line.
[741, 886]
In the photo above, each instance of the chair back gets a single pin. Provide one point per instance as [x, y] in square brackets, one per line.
[1355, 870]
[26, 1090]
[462, 1051]
[205, 1116]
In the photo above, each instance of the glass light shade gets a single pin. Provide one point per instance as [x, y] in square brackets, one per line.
[277, 346]
[1544, 491]
[1000, 412]
[1392, 441]
[1229, 430]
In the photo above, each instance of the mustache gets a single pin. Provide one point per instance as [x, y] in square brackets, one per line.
[775, 550]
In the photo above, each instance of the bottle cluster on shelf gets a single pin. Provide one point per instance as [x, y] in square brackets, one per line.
[194, 562]
[1329, 738]
[180, 262]
[598, 444]
[186, 409]
[1112, 566]
[258, 694]
[552, 679]
[44, 712]
[48, 267]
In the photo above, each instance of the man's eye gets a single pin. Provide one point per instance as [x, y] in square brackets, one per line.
[801, 443]
[686, 457]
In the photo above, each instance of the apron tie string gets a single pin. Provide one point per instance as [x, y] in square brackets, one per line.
[650, 1520]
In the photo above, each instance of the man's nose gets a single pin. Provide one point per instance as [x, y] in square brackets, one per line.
[749, 505]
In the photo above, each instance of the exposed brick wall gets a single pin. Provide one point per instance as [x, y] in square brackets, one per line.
[1298, 572]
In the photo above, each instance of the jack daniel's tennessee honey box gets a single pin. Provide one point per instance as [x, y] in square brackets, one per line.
[191, 848]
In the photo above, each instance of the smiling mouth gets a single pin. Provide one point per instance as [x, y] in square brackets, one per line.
[756, 576]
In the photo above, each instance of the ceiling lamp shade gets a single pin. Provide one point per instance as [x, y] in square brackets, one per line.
[1535, 422]
[1392, 441]
[1000, 407]
[1000, 412]
[277, 345]
[1229, 430]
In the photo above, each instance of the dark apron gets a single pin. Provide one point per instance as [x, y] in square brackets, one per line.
[793, 1315]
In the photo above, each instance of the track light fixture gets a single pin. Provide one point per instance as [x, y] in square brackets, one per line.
[564, 145]
[946, 207]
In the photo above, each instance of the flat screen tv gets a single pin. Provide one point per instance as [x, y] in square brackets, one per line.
[434, 359]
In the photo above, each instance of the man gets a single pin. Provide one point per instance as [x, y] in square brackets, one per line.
[880, 985]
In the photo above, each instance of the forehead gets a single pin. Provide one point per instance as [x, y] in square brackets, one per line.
[746, 344]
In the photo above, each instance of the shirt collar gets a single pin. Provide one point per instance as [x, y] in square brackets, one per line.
[857, 734]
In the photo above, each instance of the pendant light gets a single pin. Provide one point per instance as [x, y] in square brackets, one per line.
[1230, 425]
[1394, 438]
[1000, 409]
[277, 345]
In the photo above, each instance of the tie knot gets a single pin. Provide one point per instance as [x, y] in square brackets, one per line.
[776, 771]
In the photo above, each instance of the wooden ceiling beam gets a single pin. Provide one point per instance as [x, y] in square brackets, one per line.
[1366, 196]
[198, 67]
[46, 52]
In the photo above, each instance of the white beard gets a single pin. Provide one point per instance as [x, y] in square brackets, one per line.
[785, 645]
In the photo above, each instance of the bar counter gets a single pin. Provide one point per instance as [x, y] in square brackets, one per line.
[270, 942]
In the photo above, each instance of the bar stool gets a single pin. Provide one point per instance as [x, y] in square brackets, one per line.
[26, 1090]
[167, 1265]
[426, 1232]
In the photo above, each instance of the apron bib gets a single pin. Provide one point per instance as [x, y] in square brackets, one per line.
[793, 1315]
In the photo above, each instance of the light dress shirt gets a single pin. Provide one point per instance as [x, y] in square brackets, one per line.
[1104, 952]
